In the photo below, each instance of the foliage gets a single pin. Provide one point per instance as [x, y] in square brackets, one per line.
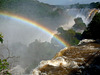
[4, 67]
[1, 38]
[77, 5]
[93, 29]
[3, 63]
[95, 5]
[34, 7]
[91, 5]
[42, 13]
[70, 36]
[60, 30]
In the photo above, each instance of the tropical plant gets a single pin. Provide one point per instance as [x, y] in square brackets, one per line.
[4, 65]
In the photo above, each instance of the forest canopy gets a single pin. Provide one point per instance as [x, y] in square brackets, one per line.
[69, 36]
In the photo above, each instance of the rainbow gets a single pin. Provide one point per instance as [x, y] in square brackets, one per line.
[37, 25]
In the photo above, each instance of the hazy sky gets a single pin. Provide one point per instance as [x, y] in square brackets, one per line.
[67, 2]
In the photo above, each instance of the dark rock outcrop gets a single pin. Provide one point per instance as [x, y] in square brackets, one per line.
[79, 25]
[93, 29]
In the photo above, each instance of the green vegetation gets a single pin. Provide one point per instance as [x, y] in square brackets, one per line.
[77, 5]
[93, 29]
[1, 38]
[26, 7]
[73, 35]
[4, 65]
[22, 6]
[69, 36]
[91, 5]
[42, 13]
[95, 5]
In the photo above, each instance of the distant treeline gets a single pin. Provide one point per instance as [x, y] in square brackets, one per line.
[91, 5]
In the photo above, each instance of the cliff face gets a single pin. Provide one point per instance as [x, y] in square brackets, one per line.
[83, 59]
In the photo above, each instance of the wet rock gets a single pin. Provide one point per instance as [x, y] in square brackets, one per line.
[75, 60]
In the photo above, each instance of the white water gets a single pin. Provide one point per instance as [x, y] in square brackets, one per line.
[70, 63]
[18, 70]
[60, 61]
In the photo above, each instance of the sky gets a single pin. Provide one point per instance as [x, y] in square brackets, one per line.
[67, 2]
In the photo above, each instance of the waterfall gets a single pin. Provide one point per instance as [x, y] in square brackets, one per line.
[85, 13]
[92, 13]
[70, 60]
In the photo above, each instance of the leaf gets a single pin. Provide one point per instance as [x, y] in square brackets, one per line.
[1, 38]
[4, 60]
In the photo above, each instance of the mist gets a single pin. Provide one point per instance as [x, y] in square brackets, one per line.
[16, 31]
[28, 44]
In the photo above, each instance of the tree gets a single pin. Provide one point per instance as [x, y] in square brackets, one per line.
[70, 36]
[60, 30]
[95, 5]
[3, 63]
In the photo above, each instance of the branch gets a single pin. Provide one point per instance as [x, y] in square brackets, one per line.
[4, 72]
[12, 57]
